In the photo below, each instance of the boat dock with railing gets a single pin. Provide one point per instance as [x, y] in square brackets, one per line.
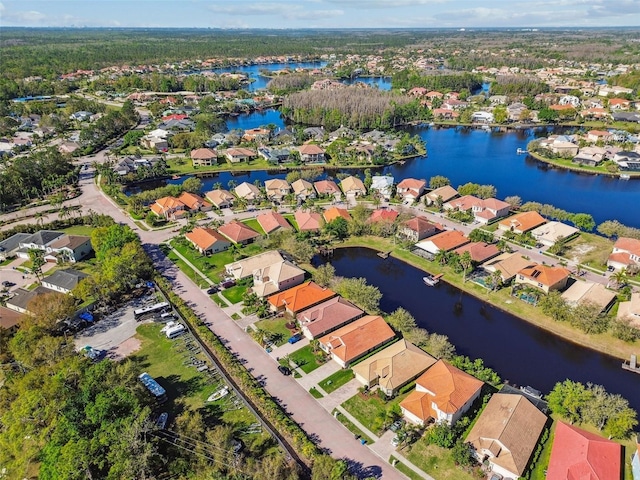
[631, 365]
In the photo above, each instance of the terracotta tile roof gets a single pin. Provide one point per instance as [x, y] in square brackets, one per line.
[193, 201]
[308, 221]
[328, 315]
[205, 238]
[411, 184]
[509, 428]
[220, 197]
[325, 187]
[578, 454]
[168, 203]
[420, 225]
[383, 214]
[335, 212]
[310, 149]
[355, 339]
[452, 387]
[448, 240]
[545, 274]
[271, 221]
[630, 245]
[301, 297]
[238, 232]
[523, 222]
[480, 252]
[467, 202]
[203, 154]
[494, 204]
[620, 257]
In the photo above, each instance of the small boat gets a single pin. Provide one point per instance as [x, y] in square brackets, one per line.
[486, 128]
[625, 176]
[175, 177]
[521, 151]
[218, 394]
[431, 280]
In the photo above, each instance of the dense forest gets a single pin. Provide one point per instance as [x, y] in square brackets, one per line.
[357, 108]
[409, 79]
[518, 85]
[285, 84]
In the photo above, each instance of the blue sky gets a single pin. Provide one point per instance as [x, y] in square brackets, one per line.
[320, 13]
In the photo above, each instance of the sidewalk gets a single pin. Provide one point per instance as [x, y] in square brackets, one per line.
[191, 265]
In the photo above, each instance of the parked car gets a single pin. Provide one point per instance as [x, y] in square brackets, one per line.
[161, 422]
[395, 441]
[284, 370]
[228, 283]
[7, 284]
[397, 425]
[212, 290]
[295, 338]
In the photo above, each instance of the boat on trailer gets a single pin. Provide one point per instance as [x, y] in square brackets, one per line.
[432, 280]
[217, 395]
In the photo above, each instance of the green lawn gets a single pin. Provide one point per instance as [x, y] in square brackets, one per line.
[370, 410]
[253, 223]
[79, 230]
[292, 220]
[436, 461]
[305, 359]
[404, 469]
[540, 468]
[336, 380]
[352, 428]
[187, 270]
[276, 327]
[218, 301]
[589, 249]
[315, 393]
[235, 294]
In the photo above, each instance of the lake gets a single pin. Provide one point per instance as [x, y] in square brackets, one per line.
[520, 352]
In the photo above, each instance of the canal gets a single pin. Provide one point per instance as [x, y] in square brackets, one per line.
[520, 352]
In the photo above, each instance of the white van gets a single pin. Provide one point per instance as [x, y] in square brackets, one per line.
[175, 331]
[166, 315]
[167, 326]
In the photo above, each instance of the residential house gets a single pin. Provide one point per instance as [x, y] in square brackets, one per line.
[220, 198]
[416, 229]
[521, 222]
[382, 185]
[594, 293]
[311, 153]
[515, 111]
[303, 190]
[68, 248]
[238, 232]
[445, 114]
[545, 277]
[300, 297]
[316, 133]
[277, 189]
[410, 189]
[480, 252]
[204, 157]
[193, 202]
[599, 136]
[627, 160]
[239, 154]
[560, 146]
[81, 116]
[630, 310]
[606, 90]
[454, 104]
[327, 187]
[619, 104]
[327, 317]
[256, 134]
[354, 340]
[68, 147]
[590, 156]
[483, 210]
[393, 367]
[444, 241]
[578, 454]
[169, 208]
[508, 264]
[308, 221]
[10, 246]
[207, 240]
[275, 155]
[626, 253]
[482, 117]
[551, 232]
[441, 194]
[506, 434]
[271, 221]
[21, 298]
[498, 100]
[64, 281]
[37, 241]
[383, 215]
[353, 187]
[443, 393]
[334, 212]
[9, 320]
[248, 191]
[155, 143]
[342, 132]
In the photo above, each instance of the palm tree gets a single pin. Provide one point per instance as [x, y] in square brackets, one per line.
[64, 212]
[466, 262]
[442, 257]
[620, 277]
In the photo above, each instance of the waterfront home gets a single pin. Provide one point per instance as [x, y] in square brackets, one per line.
[303, 190]
[311, 153]
[521, 222]
[169, 208]
[443, 393]
[627, 160]
[248, 191]
[220, 198]
[515, 112]
[327, 317]
[598, 136]
[545, 277]
[483, 210]
[551, 232]
[353, 187]
[238, 232]
[308, 221]
[594, 293]
[275, 155]
[271, 221]
[276, 189]
[560, 145]
[480, 252]
[204, 157]
[442, 195]
[444, 241]
[417, 228]
[354, 340]
[482, 117]
[445, 114]
[334, 212]
[619, 104]
[410, 189]
[393, 367]
[508, 264]
[239, 154]
[577, 453]
[382, 185]
[194, 203]
[625, 254]
[630, 310]
[590, 156]
[300, 297]
[256, 134]
[327, 187]
[506, 434]
[64, 281]
[207, 240]
[383, 215]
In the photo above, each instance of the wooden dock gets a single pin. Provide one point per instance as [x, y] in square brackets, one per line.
[631, 365]
[384, 254]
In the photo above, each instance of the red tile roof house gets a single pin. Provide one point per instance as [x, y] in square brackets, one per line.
[480, 252]
[238, 232]
[417, 228]
[544, 277]
[599, 136]
[447, 241]
[578, 454]
[169, 208]
[308, 221]
[194, 203]
[626, 253]
[383, 215]
[327, 187]
[443, 393]
[353, 341]
[522, 222]
[411, 189]
[207, 240]
[484, 211]
[300, 298]
[327, 317]
[335, 212]
[272, 222]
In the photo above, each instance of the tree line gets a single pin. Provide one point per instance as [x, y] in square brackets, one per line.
[455, 82]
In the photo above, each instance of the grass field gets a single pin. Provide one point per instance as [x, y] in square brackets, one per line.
[404, 469]
[352, 428]
[187, 270]
[336, 380]
[276, 327]
[234, 294]
[305, 359]
[371, 410]
[589, 249]
[292, 220]
[436, 461]
[79, 230]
